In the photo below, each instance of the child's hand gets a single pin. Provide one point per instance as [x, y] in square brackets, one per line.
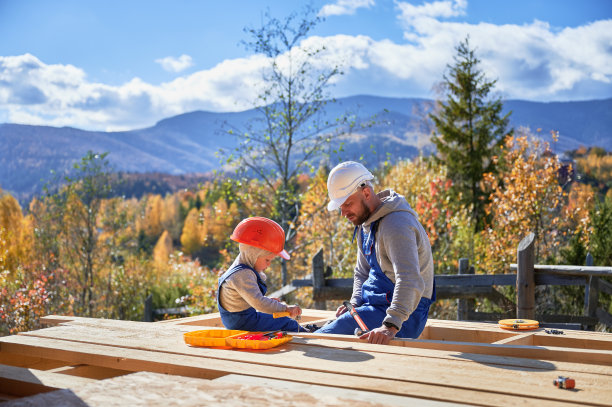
[294, 311]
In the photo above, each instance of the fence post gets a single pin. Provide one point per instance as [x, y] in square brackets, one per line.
[525, 279]
[148, 309]
[464, 306]
[318, 280]
[591, 293]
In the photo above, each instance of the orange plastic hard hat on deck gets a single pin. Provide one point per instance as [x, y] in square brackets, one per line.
[263, 233]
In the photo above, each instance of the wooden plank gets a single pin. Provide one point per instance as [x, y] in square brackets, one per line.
[467, 337]
[153, 389]
[413, 369]
[524, 339]
[586, 357]
[190, 366]
[571, 270]
[19, 381]
[481, 358]
[470, 331]
[323, 393]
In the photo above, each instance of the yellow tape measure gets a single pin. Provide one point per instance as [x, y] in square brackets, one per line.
[518, 324]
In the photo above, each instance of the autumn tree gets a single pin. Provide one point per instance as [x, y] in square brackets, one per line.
[193, 232]
[16, 240]
[291, 129]
[526, 197]
[470, 129]
[73, 213]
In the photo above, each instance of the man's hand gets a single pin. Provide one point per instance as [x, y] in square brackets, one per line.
[381, 335]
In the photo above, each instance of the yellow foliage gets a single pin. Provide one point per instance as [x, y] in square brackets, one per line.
[596, 166]
[162, 249]
[170, 216]
[153, 215]
[17, 234]
[576, 217]
[525, 198]
[191, 238]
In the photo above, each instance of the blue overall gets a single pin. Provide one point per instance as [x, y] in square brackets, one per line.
[250, 319]
[377, 294]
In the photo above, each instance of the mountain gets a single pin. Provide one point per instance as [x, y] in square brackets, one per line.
[189, 143]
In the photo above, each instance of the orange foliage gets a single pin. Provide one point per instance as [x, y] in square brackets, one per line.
[525, 198]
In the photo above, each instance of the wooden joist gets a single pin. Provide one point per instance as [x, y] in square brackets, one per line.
[19, 381]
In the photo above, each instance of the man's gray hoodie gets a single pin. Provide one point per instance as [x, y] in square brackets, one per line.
[403, 253]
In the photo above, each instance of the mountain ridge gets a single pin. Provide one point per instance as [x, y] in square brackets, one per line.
[189, 142]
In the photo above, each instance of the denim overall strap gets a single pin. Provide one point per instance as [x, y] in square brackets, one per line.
[249, 319]
[377, 290]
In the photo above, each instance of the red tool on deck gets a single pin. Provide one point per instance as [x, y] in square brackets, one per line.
[363, 328]
[563, 382]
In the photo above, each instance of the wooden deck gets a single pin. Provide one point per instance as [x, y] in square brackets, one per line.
[97, 362]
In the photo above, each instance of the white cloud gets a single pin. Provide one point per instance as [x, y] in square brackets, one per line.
[436, 9]
[531, 61]
[342, 7]
[33, 92]
[172, 64]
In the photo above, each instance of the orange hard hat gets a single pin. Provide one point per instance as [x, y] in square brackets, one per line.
[263, 233]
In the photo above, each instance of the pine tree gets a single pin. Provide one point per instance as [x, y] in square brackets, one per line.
[470, 130]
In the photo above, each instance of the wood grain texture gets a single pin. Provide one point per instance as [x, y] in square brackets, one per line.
[466, 363]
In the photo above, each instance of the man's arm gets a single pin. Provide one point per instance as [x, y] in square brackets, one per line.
[399, 241]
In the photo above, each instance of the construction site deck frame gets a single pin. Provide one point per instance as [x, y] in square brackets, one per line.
[110, 362]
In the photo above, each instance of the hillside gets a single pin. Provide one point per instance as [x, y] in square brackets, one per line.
[189, 143]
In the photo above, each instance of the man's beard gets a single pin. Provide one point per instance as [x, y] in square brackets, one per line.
[364, 215]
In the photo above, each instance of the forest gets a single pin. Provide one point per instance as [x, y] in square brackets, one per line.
[84, 248]
[78, 253]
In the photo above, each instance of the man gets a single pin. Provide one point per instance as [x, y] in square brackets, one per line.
[393, 285]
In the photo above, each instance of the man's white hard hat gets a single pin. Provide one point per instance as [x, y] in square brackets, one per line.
[343, 180]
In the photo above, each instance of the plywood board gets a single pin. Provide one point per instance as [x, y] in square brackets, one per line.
[152, 389]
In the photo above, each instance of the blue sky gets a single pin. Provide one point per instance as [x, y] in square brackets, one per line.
[113, 65]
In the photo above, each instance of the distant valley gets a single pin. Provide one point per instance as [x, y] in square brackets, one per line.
[189, 143]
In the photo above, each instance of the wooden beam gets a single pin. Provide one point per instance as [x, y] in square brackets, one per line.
[464, 306]
[525, 283]
[583, 271]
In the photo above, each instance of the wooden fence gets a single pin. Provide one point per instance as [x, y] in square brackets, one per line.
[466, 286]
